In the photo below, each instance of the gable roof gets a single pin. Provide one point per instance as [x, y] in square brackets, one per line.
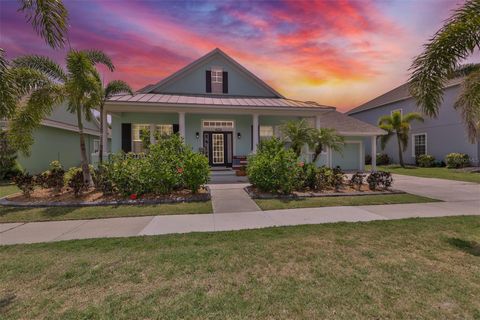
[348, 126]
[399, 93]
[180, 73]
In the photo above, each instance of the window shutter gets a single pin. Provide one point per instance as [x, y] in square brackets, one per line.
[127, 137]
[176, 128]
[208, 81]
[225, 81]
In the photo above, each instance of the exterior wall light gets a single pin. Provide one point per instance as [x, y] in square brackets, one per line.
[197, 135]
[239, 135]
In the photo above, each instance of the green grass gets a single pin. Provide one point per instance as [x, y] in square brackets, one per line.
[440, 173]
[403, 269]
[274, 204]
[13, 214]
[7, 189]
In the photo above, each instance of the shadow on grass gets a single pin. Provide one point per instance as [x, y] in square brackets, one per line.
[5, 301]
[471, 247]
[58, 211]
[7, 210]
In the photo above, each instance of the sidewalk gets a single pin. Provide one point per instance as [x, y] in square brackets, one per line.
[461, 199]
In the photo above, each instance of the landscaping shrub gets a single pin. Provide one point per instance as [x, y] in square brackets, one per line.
[195, 170]
[368, 159]
[356, 180]
[9, 166]
[323, 178]
[379, 180]
[457, 160]
[307, 176]
[336, 178]
[75, 181]
[425, 161]
[383, 159]
[273, 168]
[169, 165]
[52, 178]
[25, 182]
[103, 181]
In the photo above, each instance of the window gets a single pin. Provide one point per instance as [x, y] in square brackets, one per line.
[136, 130]
[419, 144]
[164, 129]
[217, 80]
[266, 132]
[397, 110]
[217, 124]
[96, 146]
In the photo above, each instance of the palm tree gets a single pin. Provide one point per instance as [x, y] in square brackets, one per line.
[298, 133]
[325, 138]
[399, 126]
[454, 42]
[79, 85]
[113, 87]
[49, 19]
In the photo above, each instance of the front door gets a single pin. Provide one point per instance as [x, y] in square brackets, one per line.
[218, 148]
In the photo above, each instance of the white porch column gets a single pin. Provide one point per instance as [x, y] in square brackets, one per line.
[181, 124]
[152, 133]
[255, 132]
[317, 122]
[374, 153]
[104, 133]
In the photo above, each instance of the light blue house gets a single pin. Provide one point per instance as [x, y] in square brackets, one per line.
[436, 136]
[223, 110]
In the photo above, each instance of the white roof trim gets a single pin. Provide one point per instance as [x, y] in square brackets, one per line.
[187, 68]
[68, 127]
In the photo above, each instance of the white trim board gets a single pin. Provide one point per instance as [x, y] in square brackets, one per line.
[413, 142]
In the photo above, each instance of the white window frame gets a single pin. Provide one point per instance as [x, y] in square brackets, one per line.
[413, 142]
[96, 142]
[217, 75]
[395, 110]
[265, 136]
[218, 124]
[164, 128]
[140, 126]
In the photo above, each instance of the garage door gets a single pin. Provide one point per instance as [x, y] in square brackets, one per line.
[349, 158]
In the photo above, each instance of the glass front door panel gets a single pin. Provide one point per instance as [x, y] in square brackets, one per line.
[218, 148]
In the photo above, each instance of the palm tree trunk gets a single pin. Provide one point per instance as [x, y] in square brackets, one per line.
[100, 151]
[400, 152]
[87, 177]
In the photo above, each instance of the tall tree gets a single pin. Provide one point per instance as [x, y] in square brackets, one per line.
[323, 138]
[454, 42]
[79, 85]
[298, 133]
[112, 88]
[398, 126]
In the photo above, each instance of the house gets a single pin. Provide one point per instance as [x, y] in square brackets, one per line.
[223, 110]
[57, 139]
[436, 136]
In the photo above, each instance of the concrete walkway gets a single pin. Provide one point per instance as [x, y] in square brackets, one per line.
[461, 199]
[227, 198]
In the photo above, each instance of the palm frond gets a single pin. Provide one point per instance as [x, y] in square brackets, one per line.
[385, 120]
[8, 89]
[26, 80]
[413, 116]
[49, 19]
[117, 86]
[37, 107]
[464, 70]
[99, 57]
[42, 64]
[385, 139]
[442, 54]
[469, 104]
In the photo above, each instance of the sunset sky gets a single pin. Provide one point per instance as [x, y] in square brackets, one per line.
[339, 53]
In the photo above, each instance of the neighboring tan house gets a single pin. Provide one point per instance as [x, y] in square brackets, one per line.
[223, 110]
[436, 136]
[57, 139]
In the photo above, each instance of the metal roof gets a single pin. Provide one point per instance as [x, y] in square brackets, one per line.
[399, 93]
[177, 99]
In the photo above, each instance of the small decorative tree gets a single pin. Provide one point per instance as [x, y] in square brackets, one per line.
[8, 156]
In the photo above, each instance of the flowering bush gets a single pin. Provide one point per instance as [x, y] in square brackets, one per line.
[379, 180]
[356, 180]
[457, 160]
[52, 178]
[75, 180]
[425, 160]
[25, 182]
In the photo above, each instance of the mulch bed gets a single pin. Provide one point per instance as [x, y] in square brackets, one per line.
[345, 191]
[47, 198]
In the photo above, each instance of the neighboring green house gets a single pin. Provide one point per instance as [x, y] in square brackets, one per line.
[223, 110]
[57, 139]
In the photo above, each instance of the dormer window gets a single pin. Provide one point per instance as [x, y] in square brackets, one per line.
[216, 81]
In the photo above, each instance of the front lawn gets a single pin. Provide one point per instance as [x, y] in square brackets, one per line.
[7, 189]
[440, 173]
[14, 214]
[274, 204]
[403, 269]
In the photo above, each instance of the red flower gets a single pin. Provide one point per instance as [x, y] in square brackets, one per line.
[180, 170]
[301, 164]
[133, 196]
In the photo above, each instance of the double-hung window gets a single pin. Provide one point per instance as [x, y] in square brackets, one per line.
[419, 144]
[266, 132]
[217, 80]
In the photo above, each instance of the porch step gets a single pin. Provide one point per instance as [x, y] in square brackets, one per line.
[224, 172]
